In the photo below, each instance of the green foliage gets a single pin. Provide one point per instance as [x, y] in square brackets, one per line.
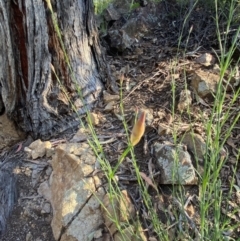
[100, 5]
[134, 6]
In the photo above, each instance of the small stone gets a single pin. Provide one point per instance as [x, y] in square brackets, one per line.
[98, 233]
[78, 103]
[94, 118]
[109, 106]
[29, 237]
[45, 191]
[46, 208]
[48, 171]
[39, 148]
[108, 97]
[185, 100]
[81, 135]
[50, 152]
[205, 83]
[28, 151]
[206, 59]
[35, 144]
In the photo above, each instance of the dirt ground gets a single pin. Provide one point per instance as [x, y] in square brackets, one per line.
[148, 74]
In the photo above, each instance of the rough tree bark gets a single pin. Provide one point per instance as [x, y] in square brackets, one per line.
[29, 46]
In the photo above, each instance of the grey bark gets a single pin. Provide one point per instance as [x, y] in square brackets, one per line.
[29, 47]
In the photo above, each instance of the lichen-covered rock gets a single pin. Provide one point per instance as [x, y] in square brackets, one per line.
[175, 164]
[74, 195]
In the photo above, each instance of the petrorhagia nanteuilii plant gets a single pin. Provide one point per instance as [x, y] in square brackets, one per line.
[136, 135]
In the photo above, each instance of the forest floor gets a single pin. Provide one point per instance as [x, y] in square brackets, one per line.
[155, 71]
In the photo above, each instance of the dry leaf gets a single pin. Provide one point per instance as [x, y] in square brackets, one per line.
[148, 180]
[190, 210]
[169, 119]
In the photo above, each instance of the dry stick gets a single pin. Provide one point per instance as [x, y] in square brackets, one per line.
[139, 84]
[182, 210]
[132, 179]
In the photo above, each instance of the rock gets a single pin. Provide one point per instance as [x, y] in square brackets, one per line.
[110, 106]
[125, 33]
[75, 209]
[28, 151]
[87, 221]
[206, 59]
[175, 164]
[39, 148]
[81, 135]
[110, 13]
[49, 171]
[29, 237]
[35, 144]
[120, 208]
[196, 144]
[98, 233]
[78, 103]
[46, 208]
[44, 190]
[108, 97]
[185, 100]
[205, 82]
[120, 40]
[50, 152]
[94, 118]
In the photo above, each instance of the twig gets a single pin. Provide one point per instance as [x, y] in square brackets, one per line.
[183, 212]
[132, 179]
[140, 83]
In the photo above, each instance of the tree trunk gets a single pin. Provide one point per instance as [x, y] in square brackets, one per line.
[31, 53]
